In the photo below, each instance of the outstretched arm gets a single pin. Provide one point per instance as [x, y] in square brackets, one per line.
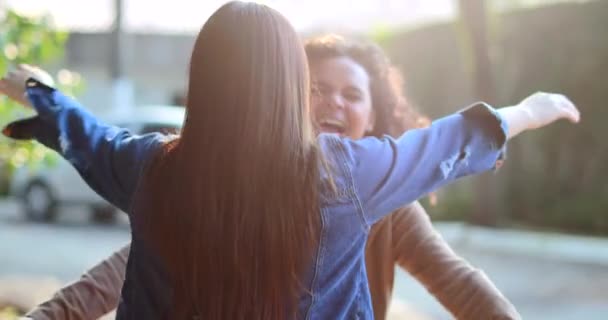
[462, 289]
[95, 294]
[389, 173]
[110, 159]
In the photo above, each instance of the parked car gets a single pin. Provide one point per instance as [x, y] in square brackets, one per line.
[43, 192]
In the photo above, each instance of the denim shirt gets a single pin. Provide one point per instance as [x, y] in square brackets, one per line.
[373, 177]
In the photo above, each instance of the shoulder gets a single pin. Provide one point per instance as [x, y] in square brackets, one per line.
[407, 217]
[351, 152]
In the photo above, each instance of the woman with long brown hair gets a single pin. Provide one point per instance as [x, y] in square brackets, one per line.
[246, 214]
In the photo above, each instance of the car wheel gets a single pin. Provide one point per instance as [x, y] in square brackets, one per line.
[103, 214]
[39, 202]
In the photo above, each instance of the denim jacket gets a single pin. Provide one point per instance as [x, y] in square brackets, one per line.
[373, 177]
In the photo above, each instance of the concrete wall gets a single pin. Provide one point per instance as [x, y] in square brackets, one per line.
[157, 66]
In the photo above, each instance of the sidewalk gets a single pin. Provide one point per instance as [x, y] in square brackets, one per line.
[546, 275]
[544, 245]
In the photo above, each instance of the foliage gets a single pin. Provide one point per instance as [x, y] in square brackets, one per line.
[8, 313]
[30, 40]
[555, 177]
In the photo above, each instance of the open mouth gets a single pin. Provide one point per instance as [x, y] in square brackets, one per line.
[332, 126]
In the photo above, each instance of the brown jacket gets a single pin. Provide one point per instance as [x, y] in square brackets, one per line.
[405, 237]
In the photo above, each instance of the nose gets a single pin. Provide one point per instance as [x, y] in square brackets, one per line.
[334, 101]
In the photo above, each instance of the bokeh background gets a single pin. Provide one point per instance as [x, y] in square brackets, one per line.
[537, 227]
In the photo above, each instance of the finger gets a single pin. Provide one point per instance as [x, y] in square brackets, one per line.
[14, 76]
[576, 114]
[572, 117]
[573, 114]
[29, 70]
[3, 87]
[24, 66]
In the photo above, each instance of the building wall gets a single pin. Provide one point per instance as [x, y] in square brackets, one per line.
[156, 66]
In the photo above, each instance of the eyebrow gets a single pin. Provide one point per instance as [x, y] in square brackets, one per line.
[321, 83]
[354, 88]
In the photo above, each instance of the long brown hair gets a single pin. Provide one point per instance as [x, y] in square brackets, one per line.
[394, 114]
[234, 201]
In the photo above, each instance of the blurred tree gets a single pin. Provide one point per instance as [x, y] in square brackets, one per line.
[31, 40]
[555, 177]
[8, 313]
[474, 19]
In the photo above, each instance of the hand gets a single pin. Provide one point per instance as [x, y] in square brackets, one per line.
[13, 83]
[544, 108]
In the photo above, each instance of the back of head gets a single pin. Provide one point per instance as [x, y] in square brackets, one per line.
[235, 198]
[248, 55]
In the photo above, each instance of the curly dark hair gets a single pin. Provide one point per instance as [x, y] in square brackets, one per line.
[394, 114]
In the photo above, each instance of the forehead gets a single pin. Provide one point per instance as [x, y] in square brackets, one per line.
[339, 71]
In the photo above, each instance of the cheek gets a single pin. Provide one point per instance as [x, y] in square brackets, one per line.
[316, 106]
[359, 117]
[360, 114]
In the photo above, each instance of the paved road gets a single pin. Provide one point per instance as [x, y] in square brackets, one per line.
[540, 288]
[62, 250]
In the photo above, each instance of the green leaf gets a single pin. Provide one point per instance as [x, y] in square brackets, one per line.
[39, 44]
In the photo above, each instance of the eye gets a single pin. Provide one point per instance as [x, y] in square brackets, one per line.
[353, 96]
[319, 89]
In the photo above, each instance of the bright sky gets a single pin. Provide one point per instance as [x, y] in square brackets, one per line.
[189, 15]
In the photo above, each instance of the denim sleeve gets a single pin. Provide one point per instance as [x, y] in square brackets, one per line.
[109, 159]
[389, 173]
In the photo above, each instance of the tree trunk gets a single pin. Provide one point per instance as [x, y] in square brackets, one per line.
[474, 18]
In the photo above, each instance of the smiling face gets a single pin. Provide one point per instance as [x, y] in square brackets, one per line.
[341, 100]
